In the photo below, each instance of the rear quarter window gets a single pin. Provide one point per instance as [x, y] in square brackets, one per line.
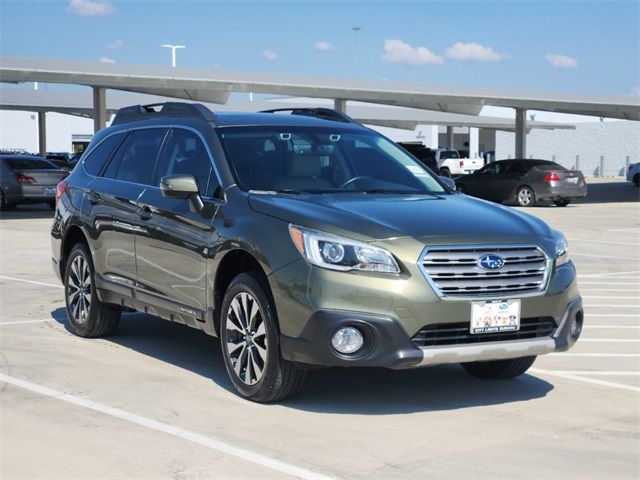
[99, 156]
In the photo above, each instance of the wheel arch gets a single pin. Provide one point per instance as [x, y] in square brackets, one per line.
[233, 263]
[73, 235]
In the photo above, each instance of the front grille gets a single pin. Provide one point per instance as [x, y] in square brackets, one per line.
[458, 333]
[455, 272]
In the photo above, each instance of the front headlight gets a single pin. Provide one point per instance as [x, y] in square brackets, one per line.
[562, 249]
[339, 253]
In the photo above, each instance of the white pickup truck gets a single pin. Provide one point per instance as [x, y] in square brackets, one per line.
[450, 163]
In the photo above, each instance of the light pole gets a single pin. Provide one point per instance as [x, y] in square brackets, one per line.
[173, 52]
[355, 29]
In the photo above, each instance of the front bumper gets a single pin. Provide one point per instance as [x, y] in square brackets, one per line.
[388, 345]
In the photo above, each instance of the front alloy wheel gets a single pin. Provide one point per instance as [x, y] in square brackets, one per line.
[247, 342]
[250, 344]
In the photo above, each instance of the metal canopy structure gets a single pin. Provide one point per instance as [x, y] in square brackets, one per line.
[216, 85]
[81, 104]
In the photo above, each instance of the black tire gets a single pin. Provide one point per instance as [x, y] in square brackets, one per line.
[636, 179]
[278, 379]
[561, 202]
[52, 205]
[526, 197]
[499, 369]
[445, 172]
[99, 319]
[3, 203]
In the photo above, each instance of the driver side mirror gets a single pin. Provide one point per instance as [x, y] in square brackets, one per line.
[182, 187]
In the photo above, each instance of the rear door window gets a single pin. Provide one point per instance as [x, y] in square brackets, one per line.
[184, 154]
[135, 161]
[98, 157]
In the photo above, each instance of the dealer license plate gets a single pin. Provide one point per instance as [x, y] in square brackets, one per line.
[495, 316]
[49, 191]
[573, 180]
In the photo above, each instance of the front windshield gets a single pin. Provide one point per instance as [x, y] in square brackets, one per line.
[322, 160]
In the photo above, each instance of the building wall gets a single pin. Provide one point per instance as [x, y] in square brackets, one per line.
[614, 139]
[19, 130]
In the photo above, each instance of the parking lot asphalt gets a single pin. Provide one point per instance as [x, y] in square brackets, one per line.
[153, 400]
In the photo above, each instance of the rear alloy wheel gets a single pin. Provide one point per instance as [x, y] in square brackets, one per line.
[526, 197]
[88, 316]
[250, 343]
[498, 369]
[561, 202]
[445, 172]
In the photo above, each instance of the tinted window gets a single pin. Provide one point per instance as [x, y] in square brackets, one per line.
[514, 169]
[492, 169]
[322, 160]
[99, 155]
[184, 154]
[135, 162]
[30, 164]
[547, 166]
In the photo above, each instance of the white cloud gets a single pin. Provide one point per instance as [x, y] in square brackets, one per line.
[115, 45]
[323, 46]
[269, 55]
[399, 52]
[107, 60]
[561, 61]
[91, 8]
[473, 52]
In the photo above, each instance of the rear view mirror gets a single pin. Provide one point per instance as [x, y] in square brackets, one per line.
[183, 187]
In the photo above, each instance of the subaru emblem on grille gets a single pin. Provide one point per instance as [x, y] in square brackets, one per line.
[491, 262]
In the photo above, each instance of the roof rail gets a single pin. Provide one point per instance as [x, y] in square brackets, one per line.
[324, 113]
[163, 110]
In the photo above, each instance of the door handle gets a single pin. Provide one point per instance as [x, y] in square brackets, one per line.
[93, 198]
[144, 213]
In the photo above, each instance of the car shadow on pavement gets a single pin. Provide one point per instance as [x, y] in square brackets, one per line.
[354, 391]
[22, 212]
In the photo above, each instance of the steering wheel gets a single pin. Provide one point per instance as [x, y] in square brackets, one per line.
[354, 179]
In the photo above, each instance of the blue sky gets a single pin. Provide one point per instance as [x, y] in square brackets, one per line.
[569, 46]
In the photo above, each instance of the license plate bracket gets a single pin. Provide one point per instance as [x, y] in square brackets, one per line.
[495, 316]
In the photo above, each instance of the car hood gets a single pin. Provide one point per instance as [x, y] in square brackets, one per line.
[370, 217]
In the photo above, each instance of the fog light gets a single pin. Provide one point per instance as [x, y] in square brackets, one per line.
[347, 340]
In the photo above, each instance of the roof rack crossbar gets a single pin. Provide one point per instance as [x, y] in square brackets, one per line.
[324, 113]
[165, 110]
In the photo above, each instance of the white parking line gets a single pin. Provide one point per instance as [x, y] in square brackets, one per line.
[44, 284]
[589, 327]
[614, 274]
[604, 242]
[612, 355]
[610, 306]
[193, 437]
[18, 322]
[616, 297]
[583, 379]
[612, 340]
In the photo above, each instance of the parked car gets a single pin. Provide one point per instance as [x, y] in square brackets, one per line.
[451, 163]
[633, 174]
[526, 182]
[304, 241]
[66, 156]
[61, 160]
[422, 153]
[28, 179]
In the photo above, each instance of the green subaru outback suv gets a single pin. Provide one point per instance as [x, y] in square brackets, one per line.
[304, 239]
